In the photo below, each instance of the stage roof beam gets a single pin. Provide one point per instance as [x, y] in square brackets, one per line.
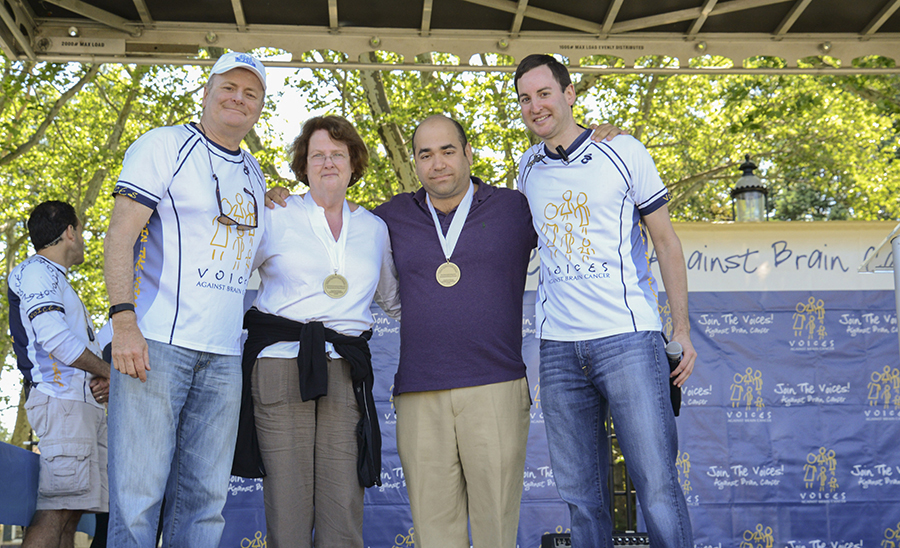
[543, 15]
[141, 7]
[704, 13]
[239, 16]
[111, 20]
[689, 13]
[611, 15]
[881, 18]
[791, 18]
[427, 6]
[519, 17]
[17, 34]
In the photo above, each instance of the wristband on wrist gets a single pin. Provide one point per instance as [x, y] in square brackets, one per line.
[116, 308]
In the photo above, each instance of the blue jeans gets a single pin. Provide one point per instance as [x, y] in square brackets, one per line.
[628, 375]
[172, 435]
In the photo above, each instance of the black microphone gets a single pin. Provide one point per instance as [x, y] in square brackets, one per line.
[674, 352]
[562, 153]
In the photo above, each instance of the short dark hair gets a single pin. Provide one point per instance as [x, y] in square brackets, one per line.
[459, 130]
[339, 129]
[535, 60]
[48, 221]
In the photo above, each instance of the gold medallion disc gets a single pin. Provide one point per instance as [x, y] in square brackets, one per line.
[447, 274]
[335, 286]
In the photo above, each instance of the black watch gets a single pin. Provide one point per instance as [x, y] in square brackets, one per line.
[116, 308]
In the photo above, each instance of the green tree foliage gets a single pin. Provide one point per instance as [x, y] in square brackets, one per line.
[825, 145]
[67, 128]
[387, 105]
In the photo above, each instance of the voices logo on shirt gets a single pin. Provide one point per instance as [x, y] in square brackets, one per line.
[760, 537]
[565, 227]
[229, 242]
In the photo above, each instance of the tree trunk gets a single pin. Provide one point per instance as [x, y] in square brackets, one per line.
[501, 101]
[587, 82]
[389, 131]
[11, 252]
[22, 431]
[254, 143]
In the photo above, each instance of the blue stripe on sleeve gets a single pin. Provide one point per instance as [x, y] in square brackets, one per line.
[654, 205]
[45, 308]
[128, 192]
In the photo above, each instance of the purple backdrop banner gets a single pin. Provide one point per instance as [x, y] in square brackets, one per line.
[789, 431]
[790, 434]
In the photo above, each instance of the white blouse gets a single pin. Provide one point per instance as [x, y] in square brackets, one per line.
[297, 253]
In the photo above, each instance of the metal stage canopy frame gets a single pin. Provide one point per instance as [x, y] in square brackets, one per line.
[884, 259]
[176, 31]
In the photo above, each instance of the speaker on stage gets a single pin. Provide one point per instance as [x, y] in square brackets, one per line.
[638, 540]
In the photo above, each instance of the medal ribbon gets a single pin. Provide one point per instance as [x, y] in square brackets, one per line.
[335, 249]
[448, 243]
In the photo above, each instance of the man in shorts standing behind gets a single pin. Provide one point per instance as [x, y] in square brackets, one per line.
[66, 382]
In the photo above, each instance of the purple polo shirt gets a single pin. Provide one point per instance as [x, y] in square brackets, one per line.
[469, 334]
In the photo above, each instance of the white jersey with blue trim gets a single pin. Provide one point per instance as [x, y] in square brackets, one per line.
[50, 328]
[595, 276]
[190, 270]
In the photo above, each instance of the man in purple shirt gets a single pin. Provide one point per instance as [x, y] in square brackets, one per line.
[461, 248]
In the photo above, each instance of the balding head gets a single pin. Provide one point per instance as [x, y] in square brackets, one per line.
[441, 119]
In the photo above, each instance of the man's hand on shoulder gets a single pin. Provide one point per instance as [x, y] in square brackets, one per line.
[277, 195]
[130, 353]
[606, 131]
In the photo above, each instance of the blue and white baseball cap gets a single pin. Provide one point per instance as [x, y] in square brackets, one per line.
[236, 59]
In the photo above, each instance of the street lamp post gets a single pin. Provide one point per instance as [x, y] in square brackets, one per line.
[749, 198]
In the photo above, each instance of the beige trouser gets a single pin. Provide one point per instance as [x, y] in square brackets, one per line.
[73, 445]
[309, 451]
[463, 456]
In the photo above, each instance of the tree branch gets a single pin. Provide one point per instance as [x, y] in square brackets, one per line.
[113, 141]
[646, 105]
[255, 144]
[51, 114]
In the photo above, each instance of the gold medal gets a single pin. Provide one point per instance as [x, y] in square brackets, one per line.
[447, 274]
[336, 286]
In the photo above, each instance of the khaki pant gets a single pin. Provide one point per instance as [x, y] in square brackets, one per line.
[309, 450]
[463, 456]
[73, 449]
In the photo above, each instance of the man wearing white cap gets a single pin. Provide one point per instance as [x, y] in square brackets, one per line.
[179, 250]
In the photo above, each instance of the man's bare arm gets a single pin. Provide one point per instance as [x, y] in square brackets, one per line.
[88, 361]
[674, 275]
[129, 348]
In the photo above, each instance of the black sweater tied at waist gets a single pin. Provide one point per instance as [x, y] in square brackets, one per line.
[266, 329]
